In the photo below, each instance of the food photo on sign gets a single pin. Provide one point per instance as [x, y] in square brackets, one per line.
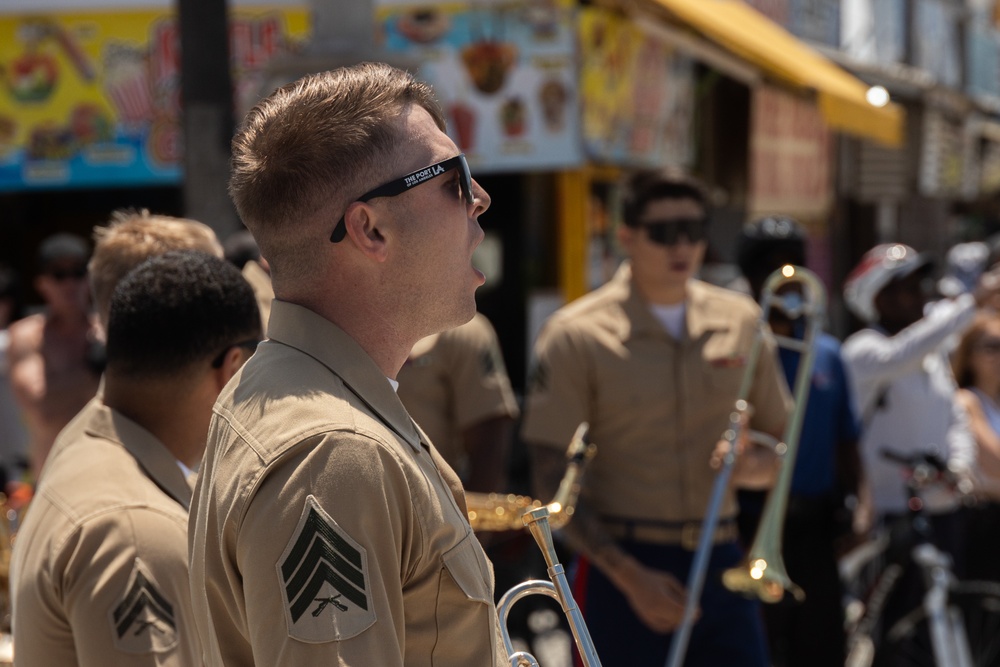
[503, 72]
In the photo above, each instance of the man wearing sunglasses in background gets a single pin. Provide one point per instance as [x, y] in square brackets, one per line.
[326, 529]
[52, 353]
[653, 361]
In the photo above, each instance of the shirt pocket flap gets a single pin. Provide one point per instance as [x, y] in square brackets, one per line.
[468, 567]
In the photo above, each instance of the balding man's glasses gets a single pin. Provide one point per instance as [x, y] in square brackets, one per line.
[401, 185]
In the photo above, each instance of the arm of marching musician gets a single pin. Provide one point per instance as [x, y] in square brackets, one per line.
[656, 597]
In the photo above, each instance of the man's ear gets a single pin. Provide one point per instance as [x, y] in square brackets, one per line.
[232, 361]
[363, 230]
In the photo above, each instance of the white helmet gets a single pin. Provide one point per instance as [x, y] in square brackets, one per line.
[879, 266]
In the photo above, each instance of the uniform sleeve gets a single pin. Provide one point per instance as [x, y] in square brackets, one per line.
[123, 579]
[559, 392]
[479, 382]
[323, 550]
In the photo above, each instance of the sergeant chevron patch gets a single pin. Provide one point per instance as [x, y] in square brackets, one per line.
[143, 620]
[323, 575]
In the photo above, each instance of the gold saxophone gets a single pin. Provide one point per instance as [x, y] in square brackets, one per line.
[491, 512]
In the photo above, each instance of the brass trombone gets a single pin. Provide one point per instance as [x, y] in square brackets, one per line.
[500, 511]
[762, 572]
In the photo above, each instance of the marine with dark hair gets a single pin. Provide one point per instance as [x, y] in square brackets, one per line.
[652, 361]
[827, 467]
[100, 572]
[52, 353]
[326, 528]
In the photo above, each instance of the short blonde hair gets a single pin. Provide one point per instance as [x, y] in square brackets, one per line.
[132, 236]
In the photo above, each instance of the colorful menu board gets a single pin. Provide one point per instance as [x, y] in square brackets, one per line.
[637, 94]
[92, 99]
[503, 71]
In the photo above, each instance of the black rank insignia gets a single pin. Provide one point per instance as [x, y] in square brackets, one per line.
[323, 574]
[143, 620]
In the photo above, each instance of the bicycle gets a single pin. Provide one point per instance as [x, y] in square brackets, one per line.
[956, 624]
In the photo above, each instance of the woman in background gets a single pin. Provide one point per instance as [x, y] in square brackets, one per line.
[976, 363]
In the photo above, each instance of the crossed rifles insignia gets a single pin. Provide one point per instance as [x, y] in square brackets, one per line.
[324, 571]
[143, 620]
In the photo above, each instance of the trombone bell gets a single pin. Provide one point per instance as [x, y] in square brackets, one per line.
[767, 581]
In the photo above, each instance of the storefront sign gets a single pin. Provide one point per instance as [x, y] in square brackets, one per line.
[92, 99]
[637, 92]
[504, 73]
[790, 156]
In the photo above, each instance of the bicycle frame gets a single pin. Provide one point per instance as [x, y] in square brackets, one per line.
[947, 628]
[945, 623]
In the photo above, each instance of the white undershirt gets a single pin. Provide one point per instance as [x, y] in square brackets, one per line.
[671, 317]
[394, 383]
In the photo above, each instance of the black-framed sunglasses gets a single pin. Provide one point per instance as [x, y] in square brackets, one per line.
[412, 180]
[668, 232]
[248, 344]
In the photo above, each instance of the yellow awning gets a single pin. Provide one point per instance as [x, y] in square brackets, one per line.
[756, 38]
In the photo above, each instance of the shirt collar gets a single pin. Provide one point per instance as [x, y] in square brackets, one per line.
[151, 454]
[301, 328]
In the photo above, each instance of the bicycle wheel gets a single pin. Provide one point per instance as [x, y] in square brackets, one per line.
[907, 643]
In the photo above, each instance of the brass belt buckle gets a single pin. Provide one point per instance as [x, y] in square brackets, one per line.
[690, 534]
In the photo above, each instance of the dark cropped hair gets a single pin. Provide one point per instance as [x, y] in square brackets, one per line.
[176, 310]
[646, 186]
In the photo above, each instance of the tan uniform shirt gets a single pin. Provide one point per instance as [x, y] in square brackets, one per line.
[99, 574]
[656, 406]
[453, 380]
[325, 530]
[260, 281]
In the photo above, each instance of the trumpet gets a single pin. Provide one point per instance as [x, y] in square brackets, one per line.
[762, 573]
[557, 588]
[499, 511]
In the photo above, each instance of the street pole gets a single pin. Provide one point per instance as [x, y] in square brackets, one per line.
[206, 113]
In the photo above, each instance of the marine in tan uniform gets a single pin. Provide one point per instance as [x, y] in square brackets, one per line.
[455, 385]
[99, 573]
[326, 529]
[653, 361]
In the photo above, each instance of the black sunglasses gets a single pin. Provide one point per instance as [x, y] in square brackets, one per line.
[248, 344]
[405, 183]
[64, 274]
[668, 232]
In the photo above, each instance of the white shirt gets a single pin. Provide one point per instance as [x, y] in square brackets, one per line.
[919, 412]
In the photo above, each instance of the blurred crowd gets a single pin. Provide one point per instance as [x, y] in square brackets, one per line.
[920, 376]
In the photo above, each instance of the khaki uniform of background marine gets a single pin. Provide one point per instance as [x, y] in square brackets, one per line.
[344, 538]
[99, 574]
[656, 406]
[453, 380]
